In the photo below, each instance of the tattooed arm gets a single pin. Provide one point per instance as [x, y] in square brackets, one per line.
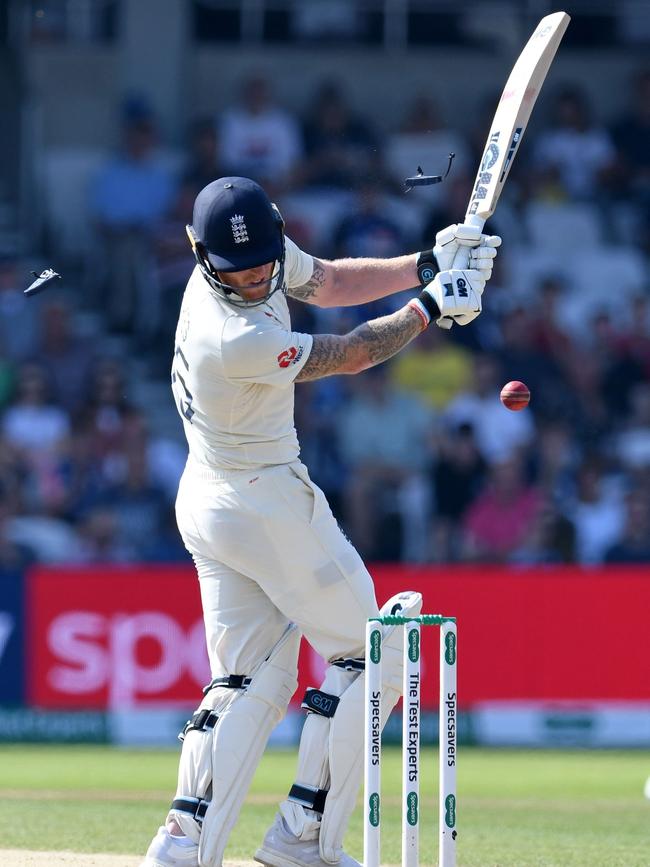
[369, 344]
[346, 282]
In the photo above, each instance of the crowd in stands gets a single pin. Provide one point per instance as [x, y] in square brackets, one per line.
[418, 458]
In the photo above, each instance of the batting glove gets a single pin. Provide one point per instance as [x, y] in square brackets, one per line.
[452, 296]
[452, 245]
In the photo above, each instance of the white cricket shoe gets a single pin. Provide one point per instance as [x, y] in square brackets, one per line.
[165, 851]
[281, 849]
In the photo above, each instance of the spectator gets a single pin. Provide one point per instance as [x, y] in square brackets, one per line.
[383, 434]
[166, 546]
[520, 359]
[32, 423]
[499, 432]
[66, 357]
[14, 556]
[631, 134]
[550, 540]
[587, 411]
[458, 477]
[259, 140]
[597, 512]
[634, 544]
[501, 519]
[100, 542]
[316, 416]
[635, 338]
[174, 262]
[18, 330]
[138, 505]
[549, 334]
[204, 160]
[369, 230]
[433, 368]
[632, 444]
[556, 458]
[14, 475]
[425, 140]
[38, 429]
[129, 197]
[575, 152]
[109, 423]
[339, 147]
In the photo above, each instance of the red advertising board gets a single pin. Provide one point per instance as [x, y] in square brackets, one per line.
[123, 637]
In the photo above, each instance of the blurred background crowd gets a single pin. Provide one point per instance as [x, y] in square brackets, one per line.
[418, 458]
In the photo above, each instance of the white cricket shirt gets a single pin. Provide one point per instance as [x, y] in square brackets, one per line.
[233, 374]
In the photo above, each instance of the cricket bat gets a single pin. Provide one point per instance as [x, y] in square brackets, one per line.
[511, 117]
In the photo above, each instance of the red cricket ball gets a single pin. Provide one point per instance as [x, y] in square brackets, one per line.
[515, 395]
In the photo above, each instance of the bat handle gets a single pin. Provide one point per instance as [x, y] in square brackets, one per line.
[461, 259]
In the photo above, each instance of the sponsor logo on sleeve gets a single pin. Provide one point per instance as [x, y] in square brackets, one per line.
[290, 356]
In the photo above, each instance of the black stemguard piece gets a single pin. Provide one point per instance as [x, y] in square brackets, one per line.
[421, 180]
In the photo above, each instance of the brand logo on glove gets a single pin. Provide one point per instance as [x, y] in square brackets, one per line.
[461, 285]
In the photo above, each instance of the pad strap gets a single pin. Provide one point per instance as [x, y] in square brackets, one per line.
[201, 721]
[232, 681]
[308, 796]
[349, 664]
[323, 703]
[196, 807]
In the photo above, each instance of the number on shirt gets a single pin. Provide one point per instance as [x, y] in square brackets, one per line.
[182, 394]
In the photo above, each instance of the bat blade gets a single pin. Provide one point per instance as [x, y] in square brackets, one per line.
[512, 115]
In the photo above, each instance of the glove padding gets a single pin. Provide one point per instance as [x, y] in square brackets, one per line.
[451, 249]
[458, 296]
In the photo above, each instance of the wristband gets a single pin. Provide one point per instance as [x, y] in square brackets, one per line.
[427, 267]
[429, 304]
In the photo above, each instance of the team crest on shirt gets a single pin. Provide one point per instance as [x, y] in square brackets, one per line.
[290, 356]
[239, 230]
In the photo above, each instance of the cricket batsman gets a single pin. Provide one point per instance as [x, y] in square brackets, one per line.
[271, 560]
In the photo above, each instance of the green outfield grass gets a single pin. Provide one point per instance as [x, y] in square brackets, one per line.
[515, 808]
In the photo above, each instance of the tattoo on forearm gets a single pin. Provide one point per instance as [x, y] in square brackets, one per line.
[369, 344]
[311, 288]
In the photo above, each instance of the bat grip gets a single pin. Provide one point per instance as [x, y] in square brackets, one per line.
[461, 259]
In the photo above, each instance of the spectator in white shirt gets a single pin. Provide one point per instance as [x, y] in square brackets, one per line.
[259, 139]
[575, 151]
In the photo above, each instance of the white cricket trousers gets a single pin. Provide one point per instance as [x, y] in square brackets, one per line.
[268, 551]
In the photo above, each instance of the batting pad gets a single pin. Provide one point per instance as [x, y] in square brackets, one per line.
[217, 765]
[331, 745]
[346, 731]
